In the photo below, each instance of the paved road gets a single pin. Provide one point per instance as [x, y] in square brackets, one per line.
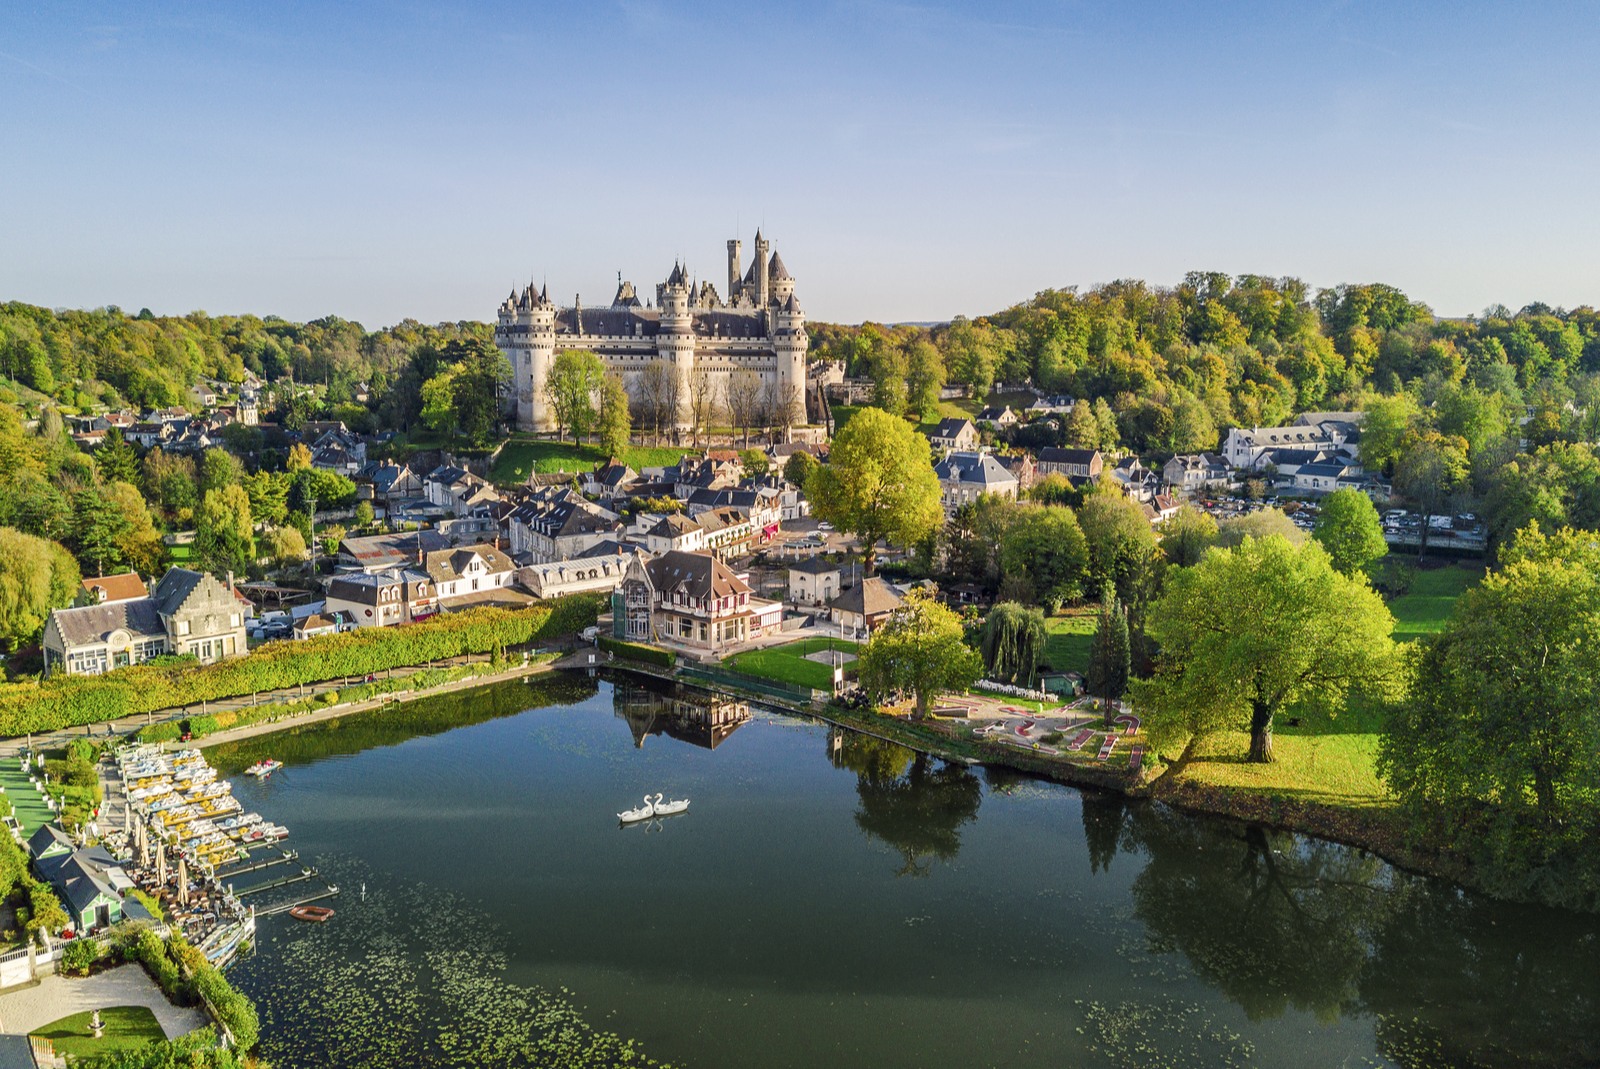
[56, 997]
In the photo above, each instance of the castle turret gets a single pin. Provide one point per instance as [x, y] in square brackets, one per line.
[675, 341]
[762, 293]
[531, 355]
[733, 270]
[779, 279]
[789, 342]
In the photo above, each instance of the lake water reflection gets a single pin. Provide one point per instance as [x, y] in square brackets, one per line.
[859, 906]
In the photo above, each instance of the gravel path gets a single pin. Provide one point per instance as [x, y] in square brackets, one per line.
[56, 997]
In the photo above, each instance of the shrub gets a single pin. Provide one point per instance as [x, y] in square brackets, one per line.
[200, 726]
[162, 732]
[639, 653]
[79, 956]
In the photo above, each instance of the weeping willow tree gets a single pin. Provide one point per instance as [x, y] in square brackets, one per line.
[1013, 643]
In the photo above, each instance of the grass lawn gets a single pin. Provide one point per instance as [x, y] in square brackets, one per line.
[787, 663]
[1070, 633]
[521, 458]
[1333, 769]
[961, 408]
[125, 1027]
[1426, 607]
[27, 805]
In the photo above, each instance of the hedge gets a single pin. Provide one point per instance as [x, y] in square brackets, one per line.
[71, 701]
[166, 963]
[633, 650]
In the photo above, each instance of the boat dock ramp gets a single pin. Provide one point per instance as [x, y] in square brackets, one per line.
[186, 841]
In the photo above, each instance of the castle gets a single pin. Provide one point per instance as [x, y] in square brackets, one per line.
[759, 328]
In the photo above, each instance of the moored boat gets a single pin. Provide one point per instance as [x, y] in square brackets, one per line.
[262, 769]
[313, 914]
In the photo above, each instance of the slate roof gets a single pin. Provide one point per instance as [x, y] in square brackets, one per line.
[873, 597]
[951, 427]
[673, 526]
[448, 564]
[16, 1053]
[980, 468]
[109, 588]
[698, 575]
[90, 624]
[817, 565]
[1056, 455]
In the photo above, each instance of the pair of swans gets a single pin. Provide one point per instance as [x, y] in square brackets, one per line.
[653, 808]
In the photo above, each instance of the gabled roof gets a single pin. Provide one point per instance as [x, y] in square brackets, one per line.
[1055, 455]
[981, 468]
[388, 550]
[817, 565]
[110, 588]
[697, 575]
[951, 427]
[673, 526]
[448, 564]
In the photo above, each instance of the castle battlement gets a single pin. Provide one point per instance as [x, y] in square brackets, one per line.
[759, 328]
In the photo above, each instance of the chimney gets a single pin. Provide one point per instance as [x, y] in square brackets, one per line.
[230, 582]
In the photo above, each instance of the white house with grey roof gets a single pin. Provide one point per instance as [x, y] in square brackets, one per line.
[188, 614]
[965, 477]
[1333, 432]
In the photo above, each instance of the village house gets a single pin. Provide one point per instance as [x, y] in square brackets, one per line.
[383, 599]
[457, 489]
[675, 532]
[558, 524]
[695, 600]
[964, 477]
[610, 480]
[1022, 468]
[386, 483]
[863, 608]
[1335, 432]
[189, 613]
[463, 575]
[1137, 481]
[579, 576]
[1083, 463]
[1001, 417]
[377, 553]
[953, 433]
[1193, 472]
[88, 880]
[813, 581]
[318, 624]
[108, 589]
[728, 532]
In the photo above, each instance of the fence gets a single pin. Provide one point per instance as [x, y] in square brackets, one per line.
[759, 684]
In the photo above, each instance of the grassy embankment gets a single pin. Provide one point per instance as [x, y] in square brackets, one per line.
[522, 457]
[123, 1028]
[1325, 761]
[787, 663]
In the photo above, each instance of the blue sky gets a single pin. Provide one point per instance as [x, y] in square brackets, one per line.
[911, 162]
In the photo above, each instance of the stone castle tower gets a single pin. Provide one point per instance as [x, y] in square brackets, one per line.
[759, 328]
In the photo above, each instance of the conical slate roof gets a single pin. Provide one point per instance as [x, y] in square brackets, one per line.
[775, 269]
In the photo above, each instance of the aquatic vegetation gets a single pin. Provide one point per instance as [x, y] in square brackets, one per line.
[413, 976]
[1162, 1035]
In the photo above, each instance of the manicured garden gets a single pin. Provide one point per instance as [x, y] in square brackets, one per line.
[523, 457]
[787, 663]
[122, 1028]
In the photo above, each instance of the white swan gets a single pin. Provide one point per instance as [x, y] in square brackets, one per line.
[666, 809]
[644, 812]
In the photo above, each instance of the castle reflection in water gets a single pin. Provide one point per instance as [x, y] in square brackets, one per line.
[700, 718]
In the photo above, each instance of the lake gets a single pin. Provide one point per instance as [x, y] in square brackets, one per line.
[852, 906]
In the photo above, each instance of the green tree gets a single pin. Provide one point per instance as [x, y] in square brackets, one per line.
[115, 459]
[1349, 529]
[1044, 544]
[481, 370]
[569, 387]
[364, 515]
[798, 468]
[439, 409]
[1493, 751]
[1260, 524]
[1384, 425]
[1186, 536]
[1252, 629]
[1083, 429]
[920, 649]
[224, 538]
[1117, 534]
[268, 492]
[1013, 641]
[1110, 657]
[924, 379]
[219, 469]
[36, 575]
[878, 483]
[616, 421]
[1430, 469]
[139, 544]
[755, 463]
[284, 545]
[98, 525]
